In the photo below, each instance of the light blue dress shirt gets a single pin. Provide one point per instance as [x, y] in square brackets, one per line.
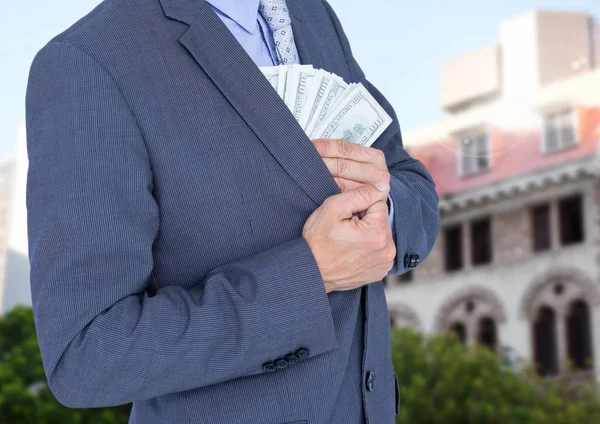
[250, 29]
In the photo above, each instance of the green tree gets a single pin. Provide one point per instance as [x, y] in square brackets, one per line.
[443, 383]
[24, 396]
[440, 383]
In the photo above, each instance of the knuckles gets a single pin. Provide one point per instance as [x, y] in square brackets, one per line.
[345, 147]
[365, 194]
[382, 245]
[383, 176]
[342, 167]
[379, 155]
[378, 240]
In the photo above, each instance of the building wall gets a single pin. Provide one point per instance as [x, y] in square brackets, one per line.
[471, 77]
[549, 62]
[566, 52]
[515, 272]
[512, 235]
[520, 60]
[6, 172]
[17, 289]
[522, 113]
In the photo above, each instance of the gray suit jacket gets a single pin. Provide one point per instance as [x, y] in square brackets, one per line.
[167, 190]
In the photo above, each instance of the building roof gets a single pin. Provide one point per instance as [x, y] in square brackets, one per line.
[515, 156]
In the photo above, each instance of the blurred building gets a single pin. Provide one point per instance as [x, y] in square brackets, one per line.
[16, 289]
[6, 183]
[516, 164]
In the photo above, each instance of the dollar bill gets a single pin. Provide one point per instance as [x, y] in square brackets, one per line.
[358, 119]
[299, 86]
[294, 72]
[314, 97]
[325, 106]
[282, 81]
[334, 92]
[272, 75]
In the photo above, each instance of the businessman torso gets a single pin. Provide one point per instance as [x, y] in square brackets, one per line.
[199, 165]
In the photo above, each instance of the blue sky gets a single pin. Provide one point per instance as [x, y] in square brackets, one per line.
[399, 44]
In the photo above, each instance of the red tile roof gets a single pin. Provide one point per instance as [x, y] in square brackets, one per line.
[513, 154]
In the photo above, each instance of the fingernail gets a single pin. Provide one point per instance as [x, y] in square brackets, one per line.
[382, 186]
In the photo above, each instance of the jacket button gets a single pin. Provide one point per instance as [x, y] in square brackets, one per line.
[415, 260]
[302, 353]
[281, 363]
[269, 367]
[291, 358]
[369, 381]
[411, 261]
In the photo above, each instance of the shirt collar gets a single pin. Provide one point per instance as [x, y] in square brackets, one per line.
[243, 12]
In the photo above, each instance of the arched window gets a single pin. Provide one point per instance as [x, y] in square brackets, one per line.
[467, 310]
[487, 333]
[460, 330]
[544, 340]
[571, 295]
[579, 343]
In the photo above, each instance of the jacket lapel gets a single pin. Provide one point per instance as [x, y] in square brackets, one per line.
[307, 47]
[230, 68]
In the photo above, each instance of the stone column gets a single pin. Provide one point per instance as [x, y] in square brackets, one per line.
[561, 339]
[554, 226]
[466, 245]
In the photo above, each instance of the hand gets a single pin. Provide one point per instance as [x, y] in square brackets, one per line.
[351, 251]
[352, 165]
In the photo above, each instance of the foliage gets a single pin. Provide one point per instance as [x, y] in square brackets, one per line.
[24, 397]
[443, 383]
[440, 383]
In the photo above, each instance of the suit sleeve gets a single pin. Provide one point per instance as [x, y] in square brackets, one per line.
[416, 213]
[92, 221]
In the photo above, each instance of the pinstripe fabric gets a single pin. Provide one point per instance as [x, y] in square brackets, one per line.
[166, 193]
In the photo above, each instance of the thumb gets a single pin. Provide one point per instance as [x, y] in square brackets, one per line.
[360, 199]
[376, 213]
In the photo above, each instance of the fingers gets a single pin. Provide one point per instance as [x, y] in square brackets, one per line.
[359, 199]
[346, 185]
[361, 172]
[379, 230]
[377, 212]
[343, 149]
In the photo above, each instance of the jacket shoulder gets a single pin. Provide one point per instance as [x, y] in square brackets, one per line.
[99, 15]
[111, 30]
[110, 22]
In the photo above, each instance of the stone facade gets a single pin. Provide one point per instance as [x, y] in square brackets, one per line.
[512, 235]
[511, 289]
[538, 293]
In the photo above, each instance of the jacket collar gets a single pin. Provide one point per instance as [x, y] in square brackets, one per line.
[186, 10]
[242, 12]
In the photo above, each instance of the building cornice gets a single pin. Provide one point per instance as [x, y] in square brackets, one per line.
[586, 167]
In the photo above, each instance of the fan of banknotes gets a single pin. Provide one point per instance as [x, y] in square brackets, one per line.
[326, 107]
